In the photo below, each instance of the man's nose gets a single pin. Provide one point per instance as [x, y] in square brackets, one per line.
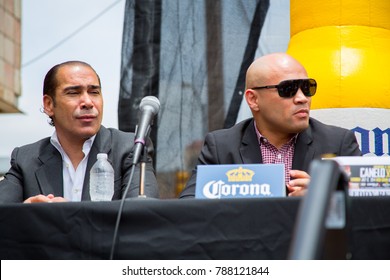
[86, 101]
[300, 97]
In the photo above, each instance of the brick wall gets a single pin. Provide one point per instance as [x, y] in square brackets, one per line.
[10, 55]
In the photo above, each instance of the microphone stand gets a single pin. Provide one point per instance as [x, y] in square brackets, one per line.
[143, 160]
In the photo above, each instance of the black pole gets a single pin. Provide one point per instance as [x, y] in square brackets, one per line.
[249, 55]
[140, 69]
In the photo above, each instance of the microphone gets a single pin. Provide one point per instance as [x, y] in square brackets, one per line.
[149, 107]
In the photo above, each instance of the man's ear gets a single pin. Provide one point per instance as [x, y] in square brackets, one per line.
[48, 104]
[252, 99]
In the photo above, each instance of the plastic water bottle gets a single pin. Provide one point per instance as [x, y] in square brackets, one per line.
[101, 180]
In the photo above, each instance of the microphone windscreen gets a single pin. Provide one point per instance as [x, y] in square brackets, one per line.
[150, 102]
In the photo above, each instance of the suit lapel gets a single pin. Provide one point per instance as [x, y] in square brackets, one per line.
[304, 151]
[250, 149]
[101, 144]
[303, 154]
[48, 173]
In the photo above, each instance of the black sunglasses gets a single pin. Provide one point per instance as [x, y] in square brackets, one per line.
[289, 88]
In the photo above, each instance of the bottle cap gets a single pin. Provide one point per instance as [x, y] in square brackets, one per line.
[101, 156]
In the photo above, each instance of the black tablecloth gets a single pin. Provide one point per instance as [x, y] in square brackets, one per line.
[179, 229]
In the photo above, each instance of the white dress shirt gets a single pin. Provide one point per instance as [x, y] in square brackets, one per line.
[73, 179]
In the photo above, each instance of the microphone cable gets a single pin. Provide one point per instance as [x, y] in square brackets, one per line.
[118, 219]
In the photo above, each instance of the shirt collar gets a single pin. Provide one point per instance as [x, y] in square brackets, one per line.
[261, 138]
[86, 146]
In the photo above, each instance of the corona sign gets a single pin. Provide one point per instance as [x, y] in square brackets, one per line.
[240, 181]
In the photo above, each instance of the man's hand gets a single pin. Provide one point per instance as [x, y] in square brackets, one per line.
[42, 198]
[298, 185]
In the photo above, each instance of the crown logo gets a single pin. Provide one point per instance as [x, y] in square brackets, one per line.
[240, 175]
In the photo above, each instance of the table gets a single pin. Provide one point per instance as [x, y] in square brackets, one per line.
[179, 229]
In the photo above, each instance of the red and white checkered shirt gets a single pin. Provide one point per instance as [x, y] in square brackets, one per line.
[271, 155]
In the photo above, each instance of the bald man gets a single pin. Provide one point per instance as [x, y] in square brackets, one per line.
[278, 92]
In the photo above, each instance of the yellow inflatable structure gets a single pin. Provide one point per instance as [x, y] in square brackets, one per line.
[345, 46]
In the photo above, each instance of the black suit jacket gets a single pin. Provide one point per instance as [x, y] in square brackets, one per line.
[239, 145]
[37, 168]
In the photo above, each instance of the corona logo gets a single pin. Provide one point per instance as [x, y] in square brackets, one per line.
[218, 189]
[240, 175]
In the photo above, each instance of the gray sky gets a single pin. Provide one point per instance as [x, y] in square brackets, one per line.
[45, 23]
